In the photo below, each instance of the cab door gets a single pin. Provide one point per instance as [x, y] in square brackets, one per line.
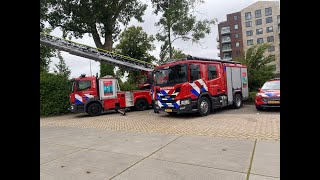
[214, 80]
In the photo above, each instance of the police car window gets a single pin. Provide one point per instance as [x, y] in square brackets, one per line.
[194, 72]
[212, 72]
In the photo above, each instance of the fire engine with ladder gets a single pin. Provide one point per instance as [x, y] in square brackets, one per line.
[94, 95]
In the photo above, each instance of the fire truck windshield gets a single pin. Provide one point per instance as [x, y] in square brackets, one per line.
[171, 75]
[83, 85]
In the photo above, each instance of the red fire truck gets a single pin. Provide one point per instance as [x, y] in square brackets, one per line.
[199, 85]
[94, 95]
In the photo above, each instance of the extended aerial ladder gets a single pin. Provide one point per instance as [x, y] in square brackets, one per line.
[96, 54]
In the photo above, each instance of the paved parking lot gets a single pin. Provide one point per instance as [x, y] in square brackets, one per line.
[245, 122]
[98, 154]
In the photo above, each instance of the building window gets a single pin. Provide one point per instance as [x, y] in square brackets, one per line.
[258, 22]
[237, 53]
[237, 44]
[271, 48]
[258, 13]
[259, 40]
[269, 20]
[236, 35]
[249, 33]
[268, 11]
[212, 72]
[259, 31]
[248, 24]
[194, 72]
[269, 29]
[235, 18]
[248, 15]
[236, 26]
[250, 42]
[270, 39]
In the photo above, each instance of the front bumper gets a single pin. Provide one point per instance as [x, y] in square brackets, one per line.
[181, 110]
[269, 105]
[76, 108]
[268, 102]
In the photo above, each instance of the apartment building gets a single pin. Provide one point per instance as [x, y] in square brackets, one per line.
[230, 37]
[258, 23]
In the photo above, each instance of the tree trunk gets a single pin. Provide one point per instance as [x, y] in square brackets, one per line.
[107, 69]
[170, 47]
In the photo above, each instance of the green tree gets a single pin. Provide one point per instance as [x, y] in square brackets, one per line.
[45, 52]
[179, 22]
[176, 54]
[259, 68]
[135, 43]
[99, 18]
[61, 67]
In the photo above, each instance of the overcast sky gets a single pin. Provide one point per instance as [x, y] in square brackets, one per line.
[210, 9]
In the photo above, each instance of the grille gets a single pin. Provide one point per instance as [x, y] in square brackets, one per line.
[168, 101]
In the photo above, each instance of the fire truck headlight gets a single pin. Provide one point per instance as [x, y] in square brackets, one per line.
[185, 102]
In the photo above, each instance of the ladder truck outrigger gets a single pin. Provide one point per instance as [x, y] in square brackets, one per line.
[94, 95]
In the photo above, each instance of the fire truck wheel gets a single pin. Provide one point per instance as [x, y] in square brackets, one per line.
[204, 106]
[94, 109]
[141, 104]
[237, 103]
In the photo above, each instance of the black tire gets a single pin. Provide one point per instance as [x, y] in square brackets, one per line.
[94, 109]
[204, 106]
[141, 104]
[259, 108]
[237, 102]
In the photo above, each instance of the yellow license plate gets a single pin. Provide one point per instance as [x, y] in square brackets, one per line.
[168, 110]
[273, 102]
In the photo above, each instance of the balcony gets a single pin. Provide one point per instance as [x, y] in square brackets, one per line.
[227, 49]
[228, 58]
[225, 30]
[218, 54]
[217, 38]
[226, 39]
[218, 46]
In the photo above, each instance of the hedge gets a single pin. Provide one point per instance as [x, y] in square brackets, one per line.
[252, 96]
[54, 94]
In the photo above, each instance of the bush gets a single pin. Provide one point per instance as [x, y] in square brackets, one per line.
[252, 96]
[54, 94]
[126, 86]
